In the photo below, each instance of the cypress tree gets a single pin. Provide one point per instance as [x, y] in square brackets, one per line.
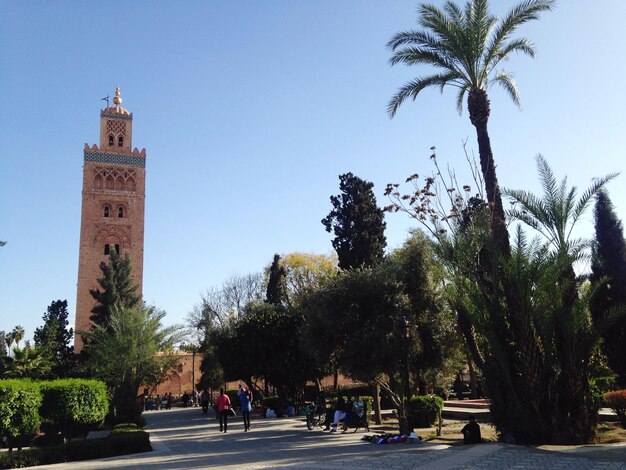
[117, 288]
[357, 223]
[608, 266]
[277, 283]
[54, 337]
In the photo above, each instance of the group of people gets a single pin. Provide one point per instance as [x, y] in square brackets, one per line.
[224, 407]
[346, 411]
[160, 402]
[191, 399]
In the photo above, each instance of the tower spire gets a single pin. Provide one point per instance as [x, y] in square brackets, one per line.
[118, 99]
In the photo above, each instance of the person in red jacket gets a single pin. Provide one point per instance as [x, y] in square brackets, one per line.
[223, 407]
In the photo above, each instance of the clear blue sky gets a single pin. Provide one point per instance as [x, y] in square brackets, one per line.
[249, 111]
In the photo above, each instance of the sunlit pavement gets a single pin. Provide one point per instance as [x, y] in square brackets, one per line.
[187, 439]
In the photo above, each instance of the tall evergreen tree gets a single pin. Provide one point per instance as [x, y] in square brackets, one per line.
[277, 283]
[54, 338]
[608, 266]
[117, 289]
[357, 223]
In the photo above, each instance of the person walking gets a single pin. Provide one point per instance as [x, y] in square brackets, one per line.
[204, 401]
[223, 408]
[245, 398]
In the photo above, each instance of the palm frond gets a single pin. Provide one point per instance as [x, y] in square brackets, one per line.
[547, 179]
[556, 213]
[521, 13]
[461, 98]
[414, 87]
[523, 45]
[584, 201]
[418, 55]
[505, 80]
[420, 38]
[454, 12]
[447, 31]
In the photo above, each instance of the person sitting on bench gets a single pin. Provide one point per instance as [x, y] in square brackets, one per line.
[471, 432]
[355, 412]
[340, 413]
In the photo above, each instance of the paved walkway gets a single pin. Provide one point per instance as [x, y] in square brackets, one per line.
[184, 438]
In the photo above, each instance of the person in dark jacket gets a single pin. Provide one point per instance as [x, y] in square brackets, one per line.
[471, 432]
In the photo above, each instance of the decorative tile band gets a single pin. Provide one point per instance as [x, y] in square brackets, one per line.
[116, 116]
[98, 157]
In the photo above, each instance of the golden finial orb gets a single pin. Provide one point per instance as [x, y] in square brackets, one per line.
[118, 99]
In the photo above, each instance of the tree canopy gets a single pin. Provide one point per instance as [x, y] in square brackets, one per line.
[608, 266]
[117, 289]
[357, 223]
[54, 338]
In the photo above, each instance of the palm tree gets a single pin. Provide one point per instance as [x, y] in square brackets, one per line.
[467, 46]
[9, 338]
[30, 363]
[555, 214]
[18, 334]
[131, 350]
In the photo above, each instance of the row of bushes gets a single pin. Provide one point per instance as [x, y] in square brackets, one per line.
[65, 405]
[118, 443]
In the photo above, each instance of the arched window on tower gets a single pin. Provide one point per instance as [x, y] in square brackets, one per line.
[107, 249]
[120, 212]
[110, 140]
[120, 141]
[106, 211]
[117, 248]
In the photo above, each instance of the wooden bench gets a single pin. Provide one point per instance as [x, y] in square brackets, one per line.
[356, 422]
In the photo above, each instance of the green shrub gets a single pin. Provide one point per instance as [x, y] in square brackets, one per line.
[47, 440]
[617, 402]
[125, 427]
[272, 401]
[32, 457]
[20, 400]
[18, 459]
[424, 410]
[74, 404]
[130, 442]
[118, 443]
[87, 449]
[276, 403]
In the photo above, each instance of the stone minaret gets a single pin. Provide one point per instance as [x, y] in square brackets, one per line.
[112, 216]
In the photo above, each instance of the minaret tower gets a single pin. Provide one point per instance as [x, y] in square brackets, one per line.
[112, 216]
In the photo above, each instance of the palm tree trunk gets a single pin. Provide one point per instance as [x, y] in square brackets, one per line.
[478, 106]
[530, 357]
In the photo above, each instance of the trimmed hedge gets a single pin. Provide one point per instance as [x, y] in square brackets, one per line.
[74, 403]
[118, 443]
[617, 402]
[424, 410]
[19, 410]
